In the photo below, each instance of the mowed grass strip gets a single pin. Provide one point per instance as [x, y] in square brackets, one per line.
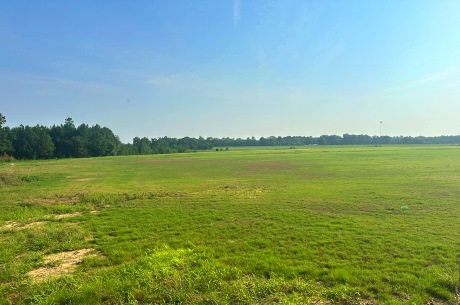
[318, 224]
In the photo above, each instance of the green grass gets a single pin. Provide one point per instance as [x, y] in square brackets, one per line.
[343, 225]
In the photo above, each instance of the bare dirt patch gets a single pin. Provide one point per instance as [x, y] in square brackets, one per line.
[13, 225]
[59, 200]
[68, 215]
[33, 224]
[59, 264]
[10, 225]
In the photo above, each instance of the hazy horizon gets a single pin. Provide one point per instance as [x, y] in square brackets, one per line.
[233, 68]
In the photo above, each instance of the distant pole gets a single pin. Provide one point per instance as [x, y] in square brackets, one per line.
[380, 138]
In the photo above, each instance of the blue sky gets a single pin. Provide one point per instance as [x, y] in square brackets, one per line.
[233, 68]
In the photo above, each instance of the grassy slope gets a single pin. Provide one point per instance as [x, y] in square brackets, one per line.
[339, 224]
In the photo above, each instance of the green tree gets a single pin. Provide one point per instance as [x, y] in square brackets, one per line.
[6, 137]
[2, 120]
[64, 139]
[127, 149]
[144, 148]
[137, 145]
[102, 142]
[33, 142]
[81, 141]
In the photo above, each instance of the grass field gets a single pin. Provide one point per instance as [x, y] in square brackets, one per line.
[315, 225]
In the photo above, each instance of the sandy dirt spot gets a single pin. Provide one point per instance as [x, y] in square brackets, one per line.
[67, 215]
[13, 225]
[59, 264]
[33, 224]
[10, 225]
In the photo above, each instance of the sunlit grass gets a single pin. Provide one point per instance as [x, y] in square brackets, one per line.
[338, 224]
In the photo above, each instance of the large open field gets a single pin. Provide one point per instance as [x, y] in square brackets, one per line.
[351, 225]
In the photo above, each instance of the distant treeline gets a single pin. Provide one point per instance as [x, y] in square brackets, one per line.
[68, 141]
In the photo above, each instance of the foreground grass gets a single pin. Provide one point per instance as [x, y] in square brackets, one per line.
[338, 224]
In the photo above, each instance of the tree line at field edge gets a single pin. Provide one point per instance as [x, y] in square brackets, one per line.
[69, 141]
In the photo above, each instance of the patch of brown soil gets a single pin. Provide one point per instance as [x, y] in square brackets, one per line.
[59, 264]
[58, 200]
[10, 225]
[13, 225]
[436, 302]
[47, 201]
[32, 224]
[61, 216]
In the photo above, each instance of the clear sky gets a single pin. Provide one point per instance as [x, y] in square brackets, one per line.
[233, 68]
